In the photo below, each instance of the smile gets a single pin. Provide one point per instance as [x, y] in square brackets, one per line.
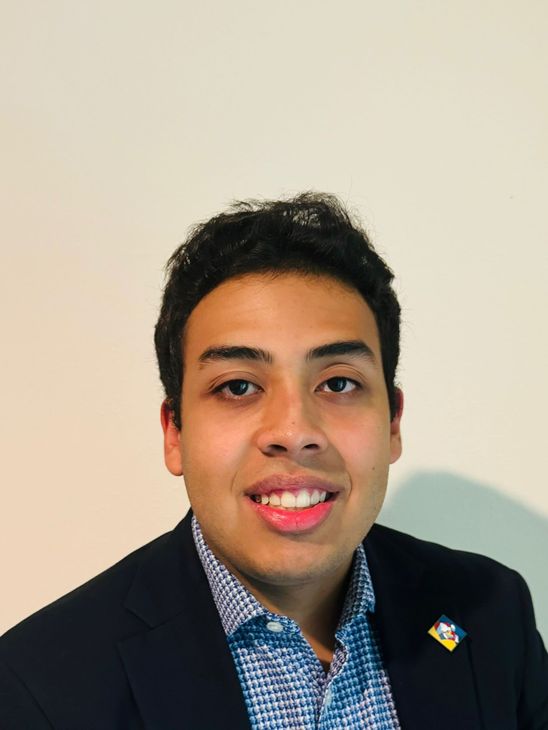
[293, 504]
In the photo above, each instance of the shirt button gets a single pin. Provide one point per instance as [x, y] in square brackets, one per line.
[328, 699]
[274, 626]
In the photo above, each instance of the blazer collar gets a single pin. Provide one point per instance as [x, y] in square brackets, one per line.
[432, 687]
[180, 668]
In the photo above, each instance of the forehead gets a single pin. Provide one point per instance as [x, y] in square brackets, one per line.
[286, 312]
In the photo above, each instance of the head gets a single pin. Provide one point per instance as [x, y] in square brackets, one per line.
[278, 343]
[311, 234]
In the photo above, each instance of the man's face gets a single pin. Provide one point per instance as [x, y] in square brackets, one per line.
[289, 411]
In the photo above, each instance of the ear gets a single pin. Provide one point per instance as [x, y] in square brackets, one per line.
[395, 432]
[172, 440]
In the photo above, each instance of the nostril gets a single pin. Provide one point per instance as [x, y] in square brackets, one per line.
[277, 447]
[290, 444]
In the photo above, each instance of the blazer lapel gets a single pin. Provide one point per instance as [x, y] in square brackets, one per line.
[432, 687]
[180, 668]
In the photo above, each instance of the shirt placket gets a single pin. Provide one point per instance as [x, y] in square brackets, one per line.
[283, 641]
[327, 716]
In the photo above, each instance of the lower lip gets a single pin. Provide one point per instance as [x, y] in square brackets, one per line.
[294, 521]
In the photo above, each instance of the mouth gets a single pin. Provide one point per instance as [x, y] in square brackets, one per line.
[293, 504]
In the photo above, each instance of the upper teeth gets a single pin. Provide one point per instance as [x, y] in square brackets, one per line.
[292, 500]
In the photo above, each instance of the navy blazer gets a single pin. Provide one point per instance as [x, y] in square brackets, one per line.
[141, 646]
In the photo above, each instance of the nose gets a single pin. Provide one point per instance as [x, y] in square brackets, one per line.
[291, 426]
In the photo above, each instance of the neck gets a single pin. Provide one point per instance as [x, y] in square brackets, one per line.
[315, 606]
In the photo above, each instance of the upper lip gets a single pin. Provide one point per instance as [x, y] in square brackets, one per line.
[288, 482]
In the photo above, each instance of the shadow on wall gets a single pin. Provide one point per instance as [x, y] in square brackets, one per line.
[467, 515]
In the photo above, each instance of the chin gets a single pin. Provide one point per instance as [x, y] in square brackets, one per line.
[294, 569]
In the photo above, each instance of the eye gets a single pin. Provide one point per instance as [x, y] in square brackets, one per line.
[236, 389]
[340, 384]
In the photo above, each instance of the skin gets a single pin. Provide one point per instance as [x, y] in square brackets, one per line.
[285, 419]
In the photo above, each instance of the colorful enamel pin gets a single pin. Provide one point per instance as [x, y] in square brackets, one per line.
[447, 633]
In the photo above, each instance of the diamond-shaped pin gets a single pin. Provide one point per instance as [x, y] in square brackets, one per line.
[446, 631]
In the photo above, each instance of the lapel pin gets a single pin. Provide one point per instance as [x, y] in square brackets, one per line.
[447, 633]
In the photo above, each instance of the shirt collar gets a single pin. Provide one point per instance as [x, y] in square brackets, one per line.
[236, 605]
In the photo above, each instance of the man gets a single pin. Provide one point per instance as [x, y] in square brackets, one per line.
[277, 602]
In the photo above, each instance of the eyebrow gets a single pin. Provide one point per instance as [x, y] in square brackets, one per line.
[352, 348]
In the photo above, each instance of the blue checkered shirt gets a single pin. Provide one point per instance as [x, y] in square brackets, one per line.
[283, 682]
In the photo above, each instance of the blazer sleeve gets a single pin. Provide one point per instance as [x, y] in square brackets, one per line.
[533, 702]
[18, 708]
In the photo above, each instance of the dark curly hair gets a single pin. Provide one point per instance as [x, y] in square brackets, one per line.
[312, 234]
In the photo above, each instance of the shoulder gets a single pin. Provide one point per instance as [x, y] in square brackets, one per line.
[459, 573]
[106, 588]
[65, 659]
[416, 581]
[403, 548]
[83, 624]
[68, 660]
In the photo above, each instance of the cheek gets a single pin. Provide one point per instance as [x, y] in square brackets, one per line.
[364, 446]
[210, 452]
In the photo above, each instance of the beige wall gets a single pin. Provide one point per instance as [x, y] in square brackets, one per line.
[123, 123]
